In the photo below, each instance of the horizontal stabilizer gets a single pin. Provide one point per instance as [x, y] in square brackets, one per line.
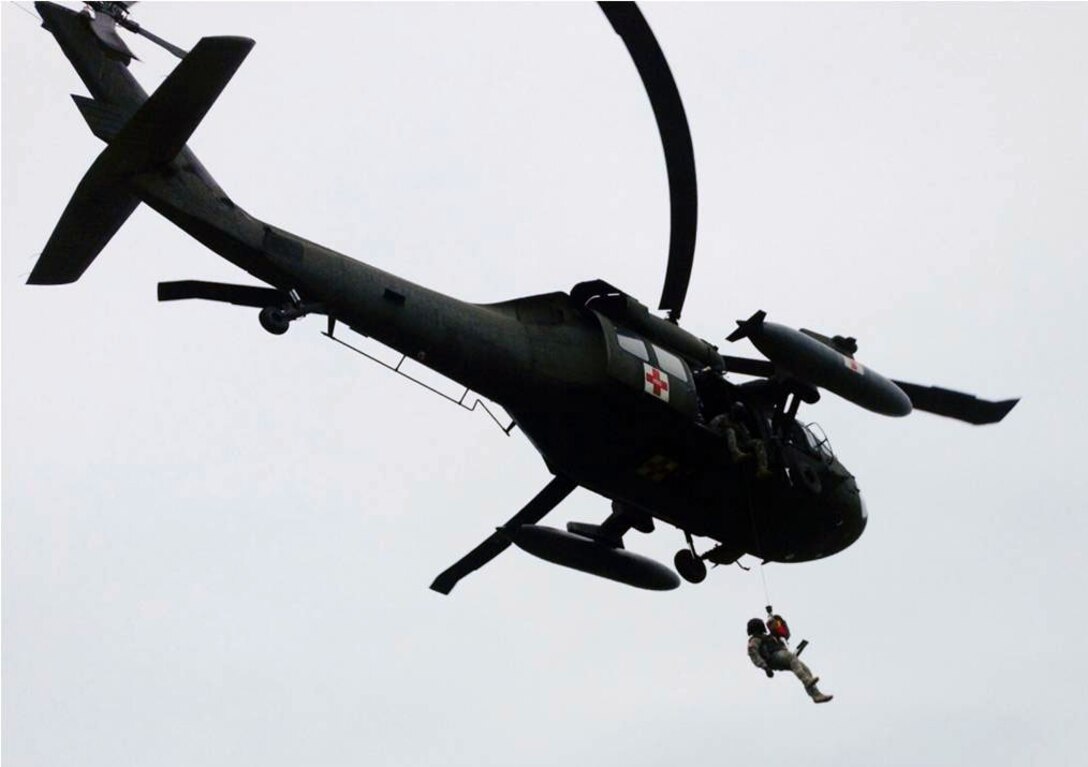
[954, 404]
[100, 206]
[239, 295]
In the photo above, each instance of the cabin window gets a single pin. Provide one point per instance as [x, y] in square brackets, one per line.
[635, 346]
[670, 363]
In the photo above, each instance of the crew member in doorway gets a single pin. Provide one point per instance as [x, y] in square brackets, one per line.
[737, 438]
[770, 653]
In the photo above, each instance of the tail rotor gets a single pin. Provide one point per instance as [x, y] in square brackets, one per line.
[110, 15]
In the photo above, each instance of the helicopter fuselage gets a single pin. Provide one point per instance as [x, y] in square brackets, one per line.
[555, 366]
[608, 394]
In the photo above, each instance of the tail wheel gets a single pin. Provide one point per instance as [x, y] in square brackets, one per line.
[273, 320]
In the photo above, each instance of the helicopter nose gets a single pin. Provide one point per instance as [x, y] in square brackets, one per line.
[853, 512]
[857, 515]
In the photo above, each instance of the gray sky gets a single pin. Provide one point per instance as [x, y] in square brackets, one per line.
[217, 544]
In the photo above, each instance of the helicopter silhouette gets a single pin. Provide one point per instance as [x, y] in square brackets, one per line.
[615, 398]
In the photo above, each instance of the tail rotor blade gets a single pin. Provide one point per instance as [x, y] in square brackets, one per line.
[162, 43]
[118, 12]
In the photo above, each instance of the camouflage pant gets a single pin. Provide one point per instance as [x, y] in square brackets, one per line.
[722, 425]
[784, 660]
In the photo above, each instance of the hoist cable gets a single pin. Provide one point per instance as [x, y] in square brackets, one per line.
[759, 546]
[766, 592]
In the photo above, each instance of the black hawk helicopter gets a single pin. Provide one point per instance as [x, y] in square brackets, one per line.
[615, 398]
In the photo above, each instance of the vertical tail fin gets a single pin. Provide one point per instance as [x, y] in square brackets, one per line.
[158, 131]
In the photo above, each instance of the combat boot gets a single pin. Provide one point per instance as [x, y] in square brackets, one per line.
[814, 692]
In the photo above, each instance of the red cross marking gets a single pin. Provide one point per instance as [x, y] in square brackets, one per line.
[655, 380]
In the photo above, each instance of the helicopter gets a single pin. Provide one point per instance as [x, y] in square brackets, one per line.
[616, 399]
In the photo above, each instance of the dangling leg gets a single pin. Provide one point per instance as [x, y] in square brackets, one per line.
[735, 452]
[763, 469]
[802, 672]
[785, 660]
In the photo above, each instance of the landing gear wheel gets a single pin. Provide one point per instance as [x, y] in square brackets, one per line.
[691, 568]
[273, 321]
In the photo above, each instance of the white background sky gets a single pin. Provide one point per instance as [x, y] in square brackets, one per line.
[217, 543]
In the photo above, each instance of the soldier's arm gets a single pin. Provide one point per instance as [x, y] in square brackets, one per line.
[753, 653]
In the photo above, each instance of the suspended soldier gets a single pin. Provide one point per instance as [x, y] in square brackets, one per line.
[770, 653]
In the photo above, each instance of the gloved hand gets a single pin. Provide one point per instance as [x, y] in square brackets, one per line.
[770, 674]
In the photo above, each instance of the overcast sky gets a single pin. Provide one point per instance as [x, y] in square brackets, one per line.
[217, 543]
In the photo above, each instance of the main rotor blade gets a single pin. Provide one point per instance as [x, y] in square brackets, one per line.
[954, 404]
[628, 22]
[544, 501]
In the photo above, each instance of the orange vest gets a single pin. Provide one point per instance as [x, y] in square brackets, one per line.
[777, 627]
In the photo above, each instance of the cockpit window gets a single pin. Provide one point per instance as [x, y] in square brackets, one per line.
[670, 363]
[632, 345]
[817, 440]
